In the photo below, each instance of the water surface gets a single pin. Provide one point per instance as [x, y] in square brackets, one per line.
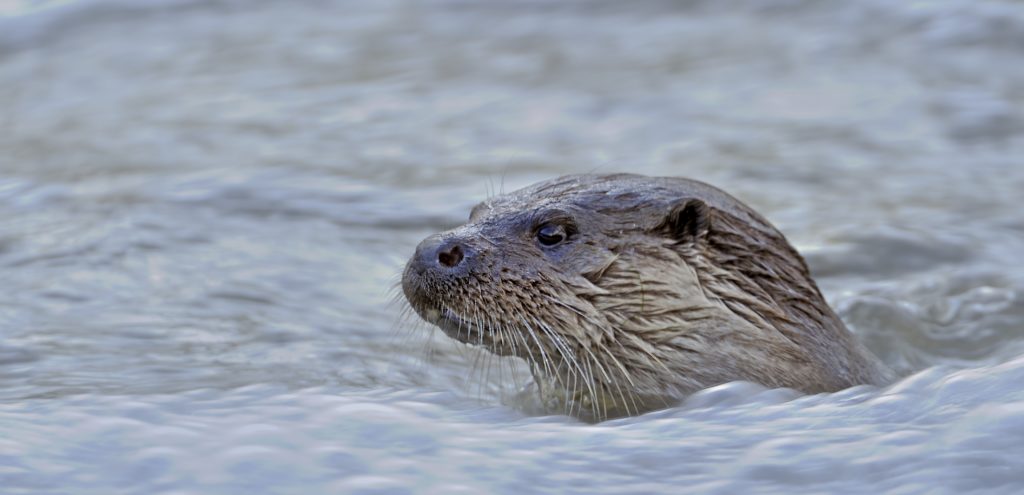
[205, 207]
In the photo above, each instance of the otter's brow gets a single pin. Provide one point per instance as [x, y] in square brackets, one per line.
[543, 217]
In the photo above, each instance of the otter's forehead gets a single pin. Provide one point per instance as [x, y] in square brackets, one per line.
[629, 196]
[580, 192]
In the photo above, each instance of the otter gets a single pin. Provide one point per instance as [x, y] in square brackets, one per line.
[625, 293]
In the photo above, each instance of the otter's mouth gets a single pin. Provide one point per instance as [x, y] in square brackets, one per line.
[454, 326]
[465, 330]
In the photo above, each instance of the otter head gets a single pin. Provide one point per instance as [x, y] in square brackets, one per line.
[624, 292]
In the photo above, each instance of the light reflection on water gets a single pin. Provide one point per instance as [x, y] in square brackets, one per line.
[204, 209]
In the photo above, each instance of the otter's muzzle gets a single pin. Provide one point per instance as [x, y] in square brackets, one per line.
[440, 261]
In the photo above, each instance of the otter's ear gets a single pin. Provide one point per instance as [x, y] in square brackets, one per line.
[687, 221]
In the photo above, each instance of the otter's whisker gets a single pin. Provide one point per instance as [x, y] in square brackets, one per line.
[552, 335]
[594, 397]
[540, 347]
[592, 358]
[549, 364]
[479, 330]
[626, 375]
[508, 337]
[498, 335]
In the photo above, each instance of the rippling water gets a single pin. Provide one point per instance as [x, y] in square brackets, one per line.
[205, 206]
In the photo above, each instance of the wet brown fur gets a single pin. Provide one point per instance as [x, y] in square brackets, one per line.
[666, 286]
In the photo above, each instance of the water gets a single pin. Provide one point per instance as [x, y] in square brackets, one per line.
[205, 206]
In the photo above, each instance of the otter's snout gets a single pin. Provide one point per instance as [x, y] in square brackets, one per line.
[439, 260]
[439, 253]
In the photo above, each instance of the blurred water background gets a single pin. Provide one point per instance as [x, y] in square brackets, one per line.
[205, 206]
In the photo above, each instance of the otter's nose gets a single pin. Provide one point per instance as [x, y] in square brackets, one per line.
[438, 251]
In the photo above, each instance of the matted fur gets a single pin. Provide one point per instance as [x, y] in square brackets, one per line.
[663, 287]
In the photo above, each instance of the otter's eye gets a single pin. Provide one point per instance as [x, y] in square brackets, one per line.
[550, 235]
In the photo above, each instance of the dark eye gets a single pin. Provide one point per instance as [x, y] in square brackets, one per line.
[551, 234]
